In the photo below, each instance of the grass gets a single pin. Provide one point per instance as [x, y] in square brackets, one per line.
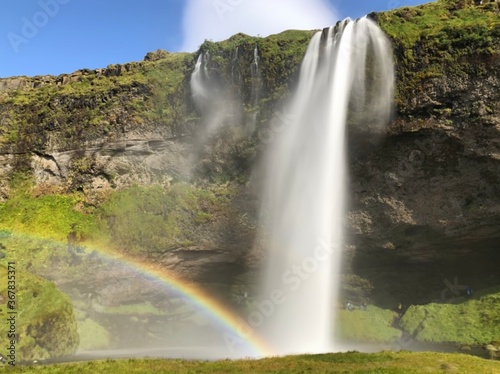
[466, 322]
[351, 362]
[167, 82]
[49, 216]
[475, 322]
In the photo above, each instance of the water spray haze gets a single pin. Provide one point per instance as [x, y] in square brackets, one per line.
[347, 72]
[218, 106]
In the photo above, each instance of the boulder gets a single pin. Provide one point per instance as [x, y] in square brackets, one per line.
[44, 325]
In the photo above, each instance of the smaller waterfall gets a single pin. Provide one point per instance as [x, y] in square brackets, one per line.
[255, 63]
[208, 100]
[256, 87]
[216, 105]
[235, 67]
[199, 81]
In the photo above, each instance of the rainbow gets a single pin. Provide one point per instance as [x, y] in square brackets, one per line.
[236, 330]
[225, 317]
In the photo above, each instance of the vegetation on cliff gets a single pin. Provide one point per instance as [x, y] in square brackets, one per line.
[134, 220]
[446, 37]
[157, 219]
[45, 215]
[460, 322]
[92, 105]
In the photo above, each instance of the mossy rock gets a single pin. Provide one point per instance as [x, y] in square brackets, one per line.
[45, 323]
[474, 322]
[493, 350]
[370, 325]
[93, 336]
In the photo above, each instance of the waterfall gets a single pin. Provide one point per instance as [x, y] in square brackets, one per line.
[255, 71]
[255, 94]
[235, 69]
[347, 68]
[199, 81]
[210, 98]
[255, 63]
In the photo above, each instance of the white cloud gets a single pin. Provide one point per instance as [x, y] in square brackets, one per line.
[219, 19]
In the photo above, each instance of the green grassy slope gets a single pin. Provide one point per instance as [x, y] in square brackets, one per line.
[352, 362]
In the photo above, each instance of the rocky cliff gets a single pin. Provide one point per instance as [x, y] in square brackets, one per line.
[425, 203]
[428, 193]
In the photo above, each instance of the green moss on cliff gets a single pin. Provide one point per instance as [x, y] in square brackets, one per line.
[439, 38]
[166, 80]
[475, 321]
[51, 216]
[137, 219]
[454, 31]
[156, 219]
[280, 58]
[93, 104]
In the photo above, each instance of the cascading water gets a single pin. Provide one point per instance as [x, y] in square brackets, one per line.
[235, 68]
[219, 103]
[211, 100]
[347, 66]
[256, 86]
[199, 80]
[255, 63]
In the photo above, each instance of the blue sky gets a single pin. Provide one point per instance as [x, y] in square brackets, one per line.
[60, 36]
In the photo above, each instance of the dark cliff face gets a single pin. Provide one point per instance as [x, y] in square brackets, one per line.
[425, 201]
